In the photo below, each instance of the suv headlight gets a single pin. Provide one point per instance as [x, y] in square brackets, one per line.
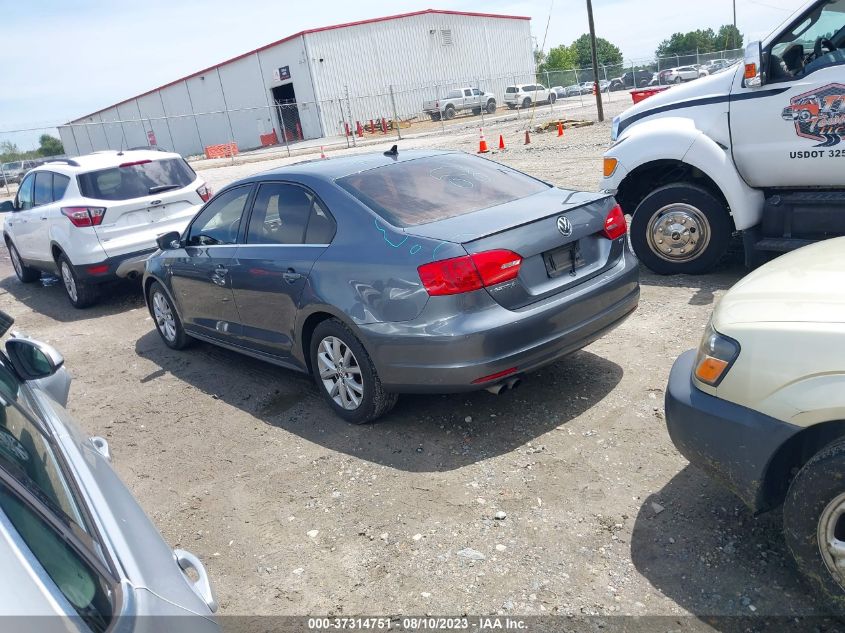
[716, 354]
[614, 129]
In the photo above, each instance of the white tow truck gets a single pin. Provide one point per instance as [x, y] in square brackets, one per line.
[758, 150]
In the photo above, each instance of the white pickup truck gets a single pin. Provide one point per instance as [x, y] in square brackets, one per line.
[459, 100]
[757, 150]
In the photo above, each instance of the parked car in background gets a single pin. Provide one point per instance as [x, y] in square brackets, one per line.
[573, 91]
[78, 553]
[16, 170]
[96, 217]
[718, 65]
[560, 91]
[425, 271]
[631, 79]
[681, 74]
[759, 406]
[461, 100]
[526, 95]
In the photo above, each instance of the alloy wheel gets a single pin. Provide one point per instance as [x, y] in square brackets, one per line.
[16, 261]
[165, 320]
[831, 538]
[340, 373]
[69, 281]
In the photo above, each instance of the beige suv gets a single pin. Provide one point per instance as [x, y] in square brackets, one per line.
[761, 404]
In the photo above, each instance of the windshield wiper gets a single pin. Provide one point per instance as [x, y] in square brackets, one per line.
[160, 188]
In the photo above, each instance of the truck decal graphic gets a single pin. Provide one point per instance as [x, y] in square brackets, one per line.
[819, 114]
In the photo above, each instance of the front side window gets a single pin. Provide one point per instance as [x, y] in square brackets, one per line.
[42, 192]
[25, 193]
[816, 42]
[220, 220]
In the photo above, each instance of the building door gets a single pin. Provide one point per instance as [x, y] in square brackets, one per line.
[287, 112]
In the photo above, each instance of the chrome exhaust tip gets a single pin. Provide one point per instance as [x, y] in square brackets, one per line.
[497, 389]
[513, 383]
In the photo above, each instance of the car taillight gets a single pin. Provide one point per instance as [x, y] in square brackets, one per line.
[84, 216]
[470, 272]
[205, 193]
[614, 224]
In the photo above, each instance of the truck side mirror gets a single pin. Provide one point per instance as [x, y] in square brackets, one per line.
[754, 65]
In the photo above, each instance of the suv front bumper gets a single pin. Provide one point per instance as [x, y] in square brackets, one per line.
[731, 443]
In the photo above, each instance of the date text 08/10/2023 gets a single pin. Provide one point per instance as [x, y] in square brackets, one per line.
[483, 623]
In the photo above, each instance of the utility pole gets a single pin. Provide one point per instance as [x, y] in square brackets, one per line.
[733, 42]
[595, 60]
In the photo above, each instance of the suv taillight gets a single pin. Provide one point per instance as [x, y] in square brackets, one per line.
[614, 224]
[84, 216]
[205, 193]
[470, 272]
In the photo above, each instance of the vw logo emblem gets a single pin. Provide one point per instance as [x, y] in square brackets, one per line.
[564, 226]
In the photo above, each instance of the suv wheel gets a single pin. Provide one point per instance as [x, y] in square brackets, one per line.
[81, 295]
[814, 523]
[552, 97]
[25, 273]
[345, 375]
[167, 320]
[680, 228]
[491, 107]
[526, 103]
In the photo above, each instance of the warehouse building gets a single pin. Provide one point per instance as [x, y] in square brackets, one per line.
[324, 79]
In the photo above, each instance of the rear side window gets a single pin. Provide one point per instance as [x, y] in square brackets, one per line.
[136, 179]
[287, 214]
[60, 184]
[511, 89]
[321, 227]
[42, 193]
[438, 187]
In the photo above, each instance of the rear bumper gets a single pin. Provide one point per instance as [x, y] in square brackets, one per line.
[731, 443]
[119, 266]
[438, 353]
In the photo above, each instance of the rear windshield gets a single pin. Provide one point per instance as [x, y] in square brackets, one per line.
[438, 187]
[136, 179]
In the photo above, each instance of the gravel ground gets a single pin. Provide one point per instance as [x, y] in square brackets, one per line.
[565, 496]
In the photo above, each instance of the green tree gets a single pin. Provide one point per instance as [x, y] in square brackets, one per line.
[50, 145]
[9, 151]
[608, 54]
[728, 37]
[701, 41]
[559, 57]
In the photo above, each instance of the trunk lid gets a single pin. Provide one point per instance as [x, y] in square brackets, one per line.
[552, 262]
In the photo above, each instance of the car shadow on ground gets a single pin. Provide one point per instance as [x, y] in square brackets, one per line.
[727, 272]
[700, 546]
[47, 296]
[424, 433]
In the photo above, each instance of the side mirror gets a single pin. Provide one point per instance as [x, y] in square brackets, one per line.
[6, 206]
[169, 241]
[754, 65]
[33, 360]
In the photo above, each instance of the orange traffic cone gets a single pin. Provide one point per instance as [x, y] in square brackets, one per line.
[322, 153]
[527, 138]
[482, 143]
[559, 128]
[501, 142]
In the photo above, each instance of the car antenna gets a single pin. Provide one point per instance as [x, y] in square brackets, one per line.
[393, 152]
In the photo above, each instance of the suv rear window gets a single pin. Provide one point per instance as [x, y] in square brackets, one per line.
[438, 187]
[136, 179]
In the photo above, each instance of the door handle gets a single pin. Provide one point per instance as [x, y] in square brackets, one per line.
[290, 275]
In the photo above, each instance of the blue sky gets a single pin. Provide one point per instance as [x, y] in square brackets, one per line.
[64, 59]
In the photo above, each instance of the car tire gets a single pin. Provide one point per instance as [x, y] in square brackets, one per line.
[166, 318]
[334, 347]
[552, 98]
[80, 294]
[26, 274]
[698, 224]
[449, 112]
[435, 116]
[511, 107]
[526, 103]
[678, 80]
[491, 107]
[476, 111]
[813, 513]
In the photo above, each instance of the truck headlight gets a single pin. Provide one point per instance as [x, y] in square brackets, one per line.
[614, 129]
[716, 354]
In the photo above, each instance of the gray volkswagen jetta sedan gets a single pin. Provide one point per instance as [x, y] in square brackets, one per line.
[77, 552]
[418, 271]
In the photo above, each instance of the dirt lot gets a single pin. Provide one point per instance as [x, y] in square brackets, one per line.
[296, 512]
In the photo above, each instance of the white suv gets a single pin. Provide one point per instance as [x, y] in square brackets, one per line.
[524, 96]
[96, 217]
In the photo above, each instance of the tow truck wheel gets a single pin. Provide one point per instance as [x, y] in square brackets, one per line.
[680, 228]
[814, 523]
